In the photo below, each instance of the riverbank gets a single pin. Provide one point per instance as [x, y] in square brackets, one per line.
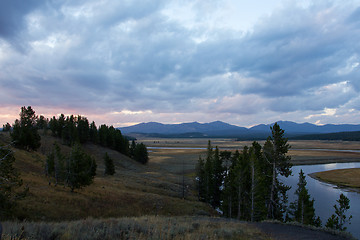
[343, 178]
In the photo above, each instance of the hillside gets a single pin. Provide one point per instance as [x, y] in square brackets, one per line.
[134, 190]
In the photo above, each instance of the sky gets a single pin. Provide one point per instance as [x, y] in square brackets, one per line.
[127, 62]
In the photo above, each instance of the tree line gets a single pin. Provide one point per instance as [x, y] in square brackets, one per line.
[247, 185]
[74, 170]
[71, 129]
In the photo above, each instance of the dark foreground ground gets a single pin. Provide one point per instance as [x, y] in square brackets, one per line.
[284, 232]
[156, 227]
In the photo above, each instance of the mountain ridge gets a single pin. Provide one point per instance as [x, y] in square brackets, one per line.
[219, 128]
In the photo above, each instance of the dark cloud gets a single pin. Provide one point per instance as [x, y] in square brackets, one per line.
[13, 19]
[129, 55]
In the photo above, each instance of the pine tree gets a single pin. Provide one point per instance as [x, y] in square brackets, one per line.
[209, 179]
[200, 178]
[83, 129]
[141, 153]
[339, 219]
[109, 165]
[230, 189]
[218, 176]
[81, 168]
[6, 127]
[24, 132]
[93, 133]
[302, 208]
[132, 148]
[275, 150]
[9, 182]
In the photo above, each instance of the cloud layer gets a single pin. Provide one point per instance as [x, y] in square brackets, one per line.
[131, 61]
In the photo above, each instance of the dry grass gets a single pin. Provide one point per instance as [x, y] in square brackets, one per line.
[134, 190]
[302, 152]
[146, 227]
[341, 177]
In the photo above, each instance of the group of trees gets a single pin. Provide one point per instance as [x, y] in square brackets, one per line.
[24, 133]
[246, 185]
[71, 129]
[75, 170]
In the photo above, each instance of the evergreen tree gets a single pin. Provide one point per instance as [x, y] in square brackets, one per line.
[141, 153]
[6, 127]
[243, 184]
[76, 170]
[25, 133]
[208, 178]
[60, 125]
[83, 129]
[53, 125]
[109, 165]
[42, 122]
[69, 131]
[132, 148]
[302, 208]
[81, 168]
[218, 175]
[56, 165]
[261, 182]
[103, 135]
[229, 194]
[200, 178]
[9, 182]
[339, 219]
[275, 150]
[93, 133]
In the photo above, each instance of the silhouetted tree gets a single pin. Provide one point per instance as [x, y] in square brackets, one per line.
[42, 122]
[9, 182]
[81, 168]
[109, 165]
[83, 129]
[275, 150]
[200, 178]
[302, 208]
[76, 170]
[6, 127]
[24, 134]
[93, 133]
[141, 153]
[339, 219]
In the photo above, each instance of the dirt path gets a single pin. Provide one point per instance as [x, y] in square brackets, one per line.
[285, 232]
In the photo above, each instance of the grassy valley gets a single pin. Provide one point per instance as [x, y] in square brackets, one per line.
[134, 190]
[140, 201]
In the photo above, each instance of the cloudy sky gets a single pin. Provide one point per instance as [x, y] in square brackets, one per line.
[126, 62]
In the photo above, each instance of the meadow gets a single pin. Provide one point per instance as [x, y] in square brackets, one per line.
[348, 178]
[176, 155]
[140, 201]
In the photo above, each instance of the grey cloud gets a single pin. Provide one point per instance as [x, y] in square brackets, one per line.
[127, 55]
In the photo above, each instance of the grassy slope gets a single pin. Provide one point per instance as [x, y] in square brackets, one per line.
[342, 177]
[134, 190]
[146, 227]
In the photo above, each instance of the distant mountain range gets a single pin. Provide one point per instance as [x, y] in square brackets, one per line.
[221, 129]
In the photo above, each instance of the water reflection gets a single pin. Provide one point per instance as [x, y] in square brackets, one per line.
[325, 195]
[330, 166]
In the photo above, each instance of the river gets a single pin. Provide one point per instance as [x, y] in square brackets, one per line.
[325, 195]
